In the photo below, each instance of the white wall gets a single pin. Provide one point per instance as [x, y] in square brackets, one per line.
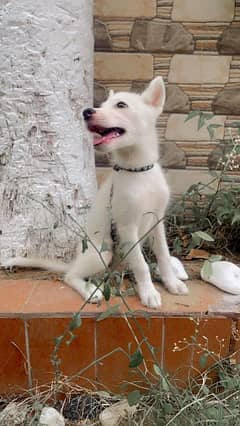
[46, 73]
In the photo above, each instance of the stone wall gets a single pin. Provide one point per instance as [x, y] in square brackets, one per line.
[195, 46]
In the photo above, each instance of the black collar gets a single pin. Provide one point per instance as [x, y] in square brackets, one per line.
[135, 169]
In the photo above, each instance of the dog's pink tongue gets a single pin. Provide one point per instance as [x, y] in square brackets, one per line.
[105, 139]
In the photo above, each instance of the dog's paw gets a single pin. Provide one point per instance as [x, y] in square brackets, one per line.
[92, 294]
[175, 286]
[150, 298]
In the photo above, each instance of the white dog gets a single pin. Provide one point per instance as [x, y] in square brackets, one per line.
[134, 197]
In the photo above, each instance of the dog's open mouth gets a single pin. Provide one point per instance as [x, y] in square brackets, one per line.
[105, 134]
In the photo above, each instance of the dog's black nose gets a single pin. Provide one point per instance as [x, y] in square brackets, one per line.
[87, 113]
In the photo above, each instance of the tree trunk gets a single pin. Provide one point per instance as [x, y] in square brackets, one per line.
[47, 175]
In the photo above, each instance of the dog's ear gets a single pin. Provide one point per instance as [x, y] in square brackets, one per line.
[155, 94]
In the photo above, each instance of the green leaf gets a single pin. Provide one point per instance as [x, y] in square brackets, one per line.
[58, 340]
[76, 321]
[84, 245]
[168, 408]
[134, 397]
[201, 121]
[192, 114]
[157, 370]
[203, 235]
[107, 291]
[208, 116]
[165, 384]
[110, 311]
[136, 359]
[203, 360]
[206, 270]
[236, 217]
[210, 129]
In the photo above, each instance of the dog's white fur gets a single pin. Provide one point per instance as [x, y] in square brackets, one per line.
[139, 200]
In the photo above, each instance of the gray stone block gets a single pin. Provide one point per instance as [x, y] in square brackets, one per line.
[229, 42]
[101, 35]
[227, 102]
[160, 37]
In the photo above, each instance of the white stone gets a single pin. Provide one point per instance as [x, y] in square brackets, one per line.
[51, 417]
[203, 11]
[180, 130]
[202, 69]
[13, 414]
[112, 415]
[224, 275]
[46, 73]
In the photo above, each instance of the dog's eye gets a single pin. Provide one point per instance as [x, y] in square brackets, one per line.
[121, 105]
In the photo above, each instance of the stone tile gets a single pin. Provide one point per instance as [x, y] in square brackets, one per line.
[202, 69]
[123, 66]
[115, 333]
[156, 36]
[125, 8]
[172, 156]
[227, 101]
[13, 366]
[74, 357]
[179, 130]
[177, 363]
[176, 99]
[214, 335]
[100, 94]
[101, 36]
[20, 291]
[203, 11]
[184, 346]
[229, 42]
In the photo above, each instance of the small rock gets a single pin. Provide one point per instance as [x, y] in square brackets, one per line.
[112, 415]
[51, 417]
[13, 414]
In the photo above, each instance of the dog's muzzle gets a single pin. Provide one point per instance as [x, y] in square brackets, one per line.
[87, 113]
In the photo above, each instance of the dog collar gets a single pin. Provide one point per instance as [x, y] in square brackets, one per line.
[135, 169]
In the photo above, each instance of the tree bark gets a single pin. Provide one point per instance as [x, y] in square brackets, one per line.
[47, 174]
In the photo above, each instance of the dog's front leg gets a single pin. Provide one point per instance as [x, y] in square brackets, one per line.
[160, 248]
[149, 296]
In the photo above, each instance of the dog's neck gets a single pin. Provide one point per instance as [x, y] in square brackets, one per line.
[135, 156]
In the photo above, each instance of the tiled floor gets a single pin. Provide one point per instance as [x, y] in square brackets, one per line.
[36, 307]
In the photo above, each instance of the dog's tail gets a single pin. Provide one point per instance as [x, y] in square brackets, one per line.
[34, 262]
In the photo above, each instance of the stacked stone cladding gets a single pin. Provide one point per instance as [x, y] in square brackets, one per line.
[195, 46]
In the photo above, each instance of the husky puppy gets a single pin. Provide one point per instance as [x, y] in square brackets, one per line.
[134, 197]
